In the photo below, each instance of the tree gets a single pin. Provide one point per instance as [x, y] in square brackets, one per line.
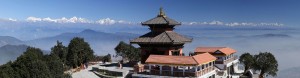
[25, 64]
[6, 71]
[106, 58]
[127, 51]
[60, 50]
[248, 60]
[266, 63]
[79, 52]
[55, 66]
[31, 64]
[39, 69]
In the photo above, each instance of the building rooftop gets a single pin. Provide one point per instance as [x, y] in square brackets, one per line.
[161, 19]
[181, 60]
[225, 50]
[166, 37]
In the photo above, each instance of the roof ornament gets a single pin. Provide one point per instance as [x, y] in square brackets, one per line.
[161, 13]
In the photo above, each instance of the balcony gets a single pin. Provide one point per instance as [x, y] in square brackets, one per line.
[180, 73]
[226, 61]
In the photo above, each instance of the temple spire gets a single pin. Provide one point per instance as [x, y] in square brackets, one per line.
[161, 13]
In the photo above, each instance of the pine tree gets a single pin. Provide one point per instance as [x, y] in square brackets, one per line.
[266, 63]
[79, 52]
[6, 71]
[60, 50]
[55, 66]
[127, 51]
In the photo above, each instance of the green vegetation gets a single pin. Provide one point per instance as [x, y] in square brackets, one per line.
[31, 64]
[61, 51]
[265, 62]
[128, 52]
[248, 60]
[34, 64]
[106, 58]
[79, 52]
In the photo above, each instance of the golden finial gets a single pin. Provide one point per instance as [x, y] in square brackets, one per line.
[161, 12]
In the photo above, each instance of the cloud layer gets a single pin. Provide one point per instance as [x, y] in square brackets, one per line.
[109, 21]
[220, 23]
[105, 21]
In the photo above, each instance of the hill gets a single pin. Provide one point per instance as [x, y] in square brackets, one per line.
[101, 42]
[4, 40]
[11, 52]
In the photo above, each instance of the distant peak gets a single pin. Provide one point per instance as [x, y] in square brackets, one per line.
[88, 31]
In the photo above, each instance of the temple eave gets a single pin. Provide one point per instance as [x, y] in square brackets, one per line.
[145, 24]
[170, 64]
[149, 42]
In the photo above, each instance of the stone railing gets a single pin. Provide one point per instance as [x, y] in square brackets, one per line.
[227, 60]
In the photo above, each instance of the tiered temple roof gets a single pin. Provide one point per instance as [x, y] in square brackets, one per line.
[167, 37]
[161, 19]
[161, 31]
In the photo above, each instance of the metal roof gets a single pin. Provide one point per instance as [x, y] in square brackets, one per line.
[161, 19]
[167, 37]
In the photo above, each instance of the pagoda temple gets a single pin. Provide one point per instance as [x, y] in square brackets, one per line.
[161, 40]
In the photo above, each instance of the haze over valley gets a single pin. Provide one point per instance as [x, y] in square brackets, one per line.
[245, 25]
[283, 43]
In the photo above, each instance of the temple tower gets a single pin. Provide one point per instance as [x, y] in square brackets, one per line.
[161, 40]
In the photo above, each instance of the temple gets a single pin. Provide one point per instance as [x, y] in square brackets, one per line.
[162, 54]
[161, 40]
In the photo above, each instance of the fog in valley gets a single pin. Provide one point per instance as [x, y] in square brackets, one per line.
[283, 43]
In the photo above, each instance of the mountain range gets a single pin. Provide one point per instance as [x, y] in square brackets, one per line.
[4, 40]
[11, 52]
[102, 43]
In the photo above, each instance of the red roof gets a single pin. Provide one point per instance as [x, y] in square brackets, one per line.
[204, 58]
[180, 60]
[225, 50]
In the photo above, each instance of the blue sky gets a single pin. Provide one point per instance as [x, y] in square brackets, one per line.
[281, 11]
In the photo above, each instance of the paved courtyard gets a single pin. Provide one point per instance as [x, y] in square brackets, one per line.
[86, 73]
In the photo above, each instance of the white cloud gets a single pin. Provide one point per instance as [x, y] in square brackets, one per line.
[33, 19]
[109, 21]
[215, 23]
[61, 20]
[106, 21]
[11, 19]
[220, 23]
[49, 19]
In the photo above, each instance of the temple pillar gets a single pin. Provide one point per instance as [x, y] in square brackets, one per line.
[205, 67]
[160, 69]
[170, 52]
[196, 73]
[172, 70]
[149, 69]
[183, 70]
[180, 52]
[201, 70]
[196, 68]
